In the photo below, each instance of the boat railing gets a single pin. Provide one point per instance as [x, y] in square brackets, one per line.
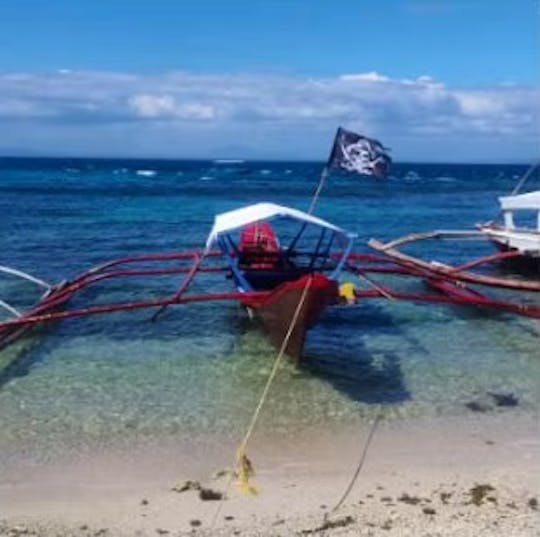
[23, 276]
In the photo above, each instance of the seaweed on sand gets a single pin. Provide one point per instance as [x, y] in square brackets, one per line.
[504, 399]
[480, 492]
[331, 524]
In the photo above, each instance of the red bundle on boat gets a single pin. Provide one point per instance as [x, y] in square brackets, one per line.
[258, 246]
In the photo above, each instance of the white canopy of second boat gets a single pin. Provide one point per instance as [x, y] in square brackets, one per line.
[515, 237]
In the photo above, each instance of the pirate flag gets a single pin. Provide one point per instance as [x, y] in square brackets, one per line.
[356, 153]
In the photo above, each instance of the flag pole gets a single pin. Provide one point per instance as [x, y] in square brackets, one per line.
[324, 174]
[322, 179]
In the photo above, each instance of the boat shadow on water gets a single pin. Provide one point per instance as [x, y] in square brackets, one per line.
[521, 267]
[121, 329]
[339, 353]
[18, 359]
[337, 350]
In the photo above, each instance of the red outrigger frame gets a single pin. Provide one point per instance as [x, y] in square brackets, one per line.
[450, 285]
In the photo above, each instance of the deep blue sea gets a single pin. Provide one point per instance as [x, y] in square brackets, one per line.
[200, 368]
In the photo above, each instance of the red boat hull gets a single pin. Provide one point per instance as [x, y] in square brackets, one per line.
[276, 311]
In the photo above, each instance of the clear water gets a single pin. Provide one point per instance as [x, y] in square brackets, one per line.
[198, 371]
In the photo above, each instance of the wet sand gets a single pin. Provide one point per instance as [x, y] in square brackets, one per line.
[474, 475]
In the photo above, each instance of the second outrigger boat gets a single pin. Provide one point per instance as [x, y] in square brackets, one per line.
[520, 230]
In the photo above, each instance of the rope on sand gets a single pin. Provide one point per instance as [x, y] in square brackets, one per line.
[243, 464]
[360, 463]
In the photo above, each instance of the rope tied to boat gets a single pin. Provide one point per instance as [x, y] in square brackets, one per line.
[244, 468]
[361, 462]
[241, 452]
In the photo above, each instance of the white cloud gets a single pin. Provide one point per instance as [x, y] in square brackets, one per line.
[481, 104]
[204, 109]
[371, 76]
[165, 106]
[152, 105]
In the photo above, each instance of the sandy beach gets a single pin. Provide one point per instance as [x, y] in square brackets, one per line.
[473, 475]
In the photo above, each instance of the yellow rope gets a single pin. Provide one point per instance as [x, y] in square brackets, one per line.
[243, 464]
[275, 367]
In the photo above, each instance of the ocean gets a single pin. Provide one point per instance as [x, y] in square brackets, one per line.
[117, 379]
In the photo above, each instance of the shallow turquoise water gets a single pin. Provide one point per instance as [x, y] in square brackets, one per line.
[200, 369]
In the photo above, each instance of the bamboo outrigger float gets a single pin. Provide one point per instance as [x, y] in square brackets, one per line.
[434, 269]
[457, 284]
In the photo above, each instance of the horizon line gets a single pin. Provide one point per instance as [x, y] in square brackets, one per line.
[239, 160]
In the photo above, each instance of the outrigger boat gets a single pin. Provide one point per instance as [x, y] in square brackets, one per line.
[286, 283]
[519, 231]
[272, 276]
[305, 269]
[518, 244]
[514, 235]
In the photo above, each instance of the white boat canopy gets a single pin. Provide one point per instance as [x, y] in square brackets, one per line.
[522, 202]
[529, 201]
[251, 214]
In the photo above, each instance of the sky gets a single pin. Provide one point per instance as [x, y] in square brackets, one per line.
[436, 80]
